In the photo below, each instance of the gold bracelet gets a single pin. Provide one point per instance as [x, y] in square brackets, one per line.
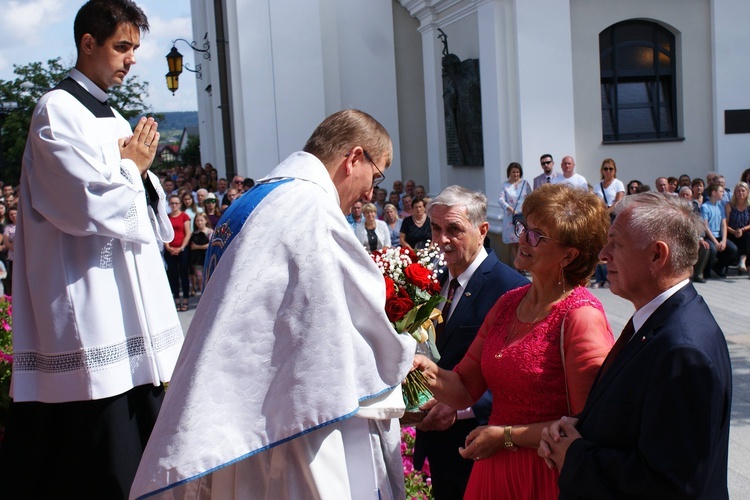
[509, 439]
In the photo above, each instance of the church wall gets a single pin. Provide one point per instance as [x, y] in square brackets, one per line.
[731, 43]
[293, 63]
[209, 119]
[411, 99]
[690, 22]
[544, 71]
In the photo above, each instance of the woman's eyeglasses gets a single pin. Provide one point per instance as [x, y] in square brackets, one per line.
[532, 235]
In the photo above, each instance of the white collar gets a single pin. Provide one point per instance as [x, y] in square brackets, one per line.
[87, 84]
[305, 166]
[645, 312]
[465, 277]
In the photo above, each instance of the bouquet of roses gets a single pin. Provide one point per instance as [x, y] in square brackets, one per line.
[412, 292]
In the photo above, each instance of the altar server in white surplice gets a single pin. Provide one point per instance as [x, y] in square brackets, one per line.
[95, 332]
[288, 386]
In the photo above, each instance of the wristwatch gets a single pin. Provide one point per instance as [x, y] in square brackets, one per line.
[508, 438]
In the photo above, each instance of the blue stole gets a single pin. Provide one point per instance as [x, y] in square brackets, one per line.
[231, 222]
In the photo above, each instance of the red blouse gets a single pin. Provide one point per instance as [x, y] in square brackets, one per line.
[178, 224]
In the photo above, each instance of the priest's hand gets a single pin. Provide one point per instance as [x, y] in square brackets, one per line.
[439, 417]
[141, 146]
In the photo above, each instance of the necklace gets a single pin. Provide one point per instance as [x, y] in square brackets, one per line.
[513, 335]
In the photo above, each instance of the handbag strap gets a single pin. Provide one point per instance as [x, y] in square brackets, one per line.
[562, 355]
[604, 195]
[519, 196]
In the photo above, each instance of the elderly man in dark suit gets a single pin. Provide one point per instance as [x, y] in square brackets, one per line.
[656, 422]
[476, 279]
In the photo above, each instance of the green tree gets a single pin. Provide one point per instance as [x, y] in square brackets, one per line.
[191, 155]
[34, 79]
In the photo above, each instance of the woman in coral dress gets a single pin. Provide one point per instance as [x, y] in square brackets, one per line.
[538, 350]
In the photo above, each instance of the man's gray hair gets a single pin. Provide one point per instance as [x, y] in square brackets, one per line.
[685, 189]
[656, 217]
[453, 196]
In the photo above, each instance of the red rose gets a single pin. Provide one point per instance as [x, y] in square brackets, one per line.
[398, 307]
[390, 288]
[419, 275]
[435, 287]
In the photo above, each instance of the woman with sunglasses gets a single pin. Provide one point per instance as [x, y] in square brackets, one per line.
[610, 189]
[211, 207]
[634, 187]
[538, 350]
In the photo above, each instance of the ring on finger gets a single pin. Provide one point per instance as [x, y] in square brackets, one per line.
[148, 144]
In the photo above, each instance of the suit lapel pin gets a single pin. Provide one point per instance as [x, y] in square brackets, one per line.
[467, 294]
[643, 339]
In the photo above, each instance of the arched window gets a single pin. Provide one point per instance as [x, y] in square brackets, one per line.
[638, 82]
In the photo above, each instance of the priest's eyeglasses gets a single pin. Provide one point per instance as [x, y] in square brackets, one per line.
[381, 176]
[533, 236]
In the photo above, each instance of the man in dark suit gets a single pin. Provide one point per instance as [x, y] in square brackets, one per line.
[459, 227]
[656, 422]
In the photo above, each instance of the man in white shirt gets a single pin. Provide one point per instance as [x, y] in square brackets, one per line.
[221, 189]
[569, 176]
[95, 330]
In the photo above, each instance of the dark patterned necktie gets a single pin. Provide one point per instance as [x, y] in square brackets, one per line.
[454, 284]
[549, 179]
[622, 341]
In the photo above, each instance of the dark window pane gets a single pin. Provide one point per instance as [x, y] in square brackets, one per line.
[637, 91]
[665, 63]
[635, 57]
[632, 32]
[664, 41]
[632, 93]
[665, 117]
[636, 121]
[607, 128]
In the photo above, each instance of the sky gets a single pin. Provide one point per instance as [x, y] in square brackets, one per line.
[39, 30]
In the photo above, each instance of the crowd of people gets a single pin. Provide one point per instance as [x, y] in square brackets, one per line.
[8, 214]
[724, 243]
[196, 200]
[289, 382]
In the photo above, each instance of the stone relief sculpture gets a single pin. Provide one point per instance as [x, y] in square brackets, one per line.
[463, 108]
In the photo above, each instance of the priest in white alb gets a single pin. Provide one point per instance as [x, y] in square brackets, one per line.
[289, 383]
